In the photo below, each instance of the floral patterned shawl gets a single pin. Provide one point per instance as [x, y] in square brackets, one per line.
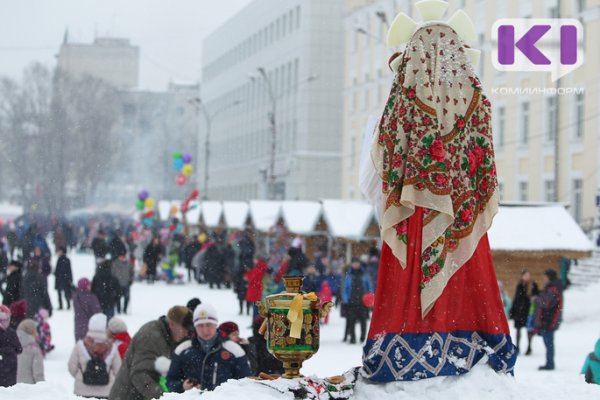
[433, 149]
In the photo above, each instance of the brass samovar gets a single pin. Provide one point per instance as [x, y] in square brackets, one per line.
[293, 324]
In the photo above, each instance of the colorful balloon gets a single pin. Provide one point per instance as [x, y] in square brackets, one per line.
[139, 205]
[148, 221]
[187, 158]
[180, 180]
[178, 164]
[176, 155]
[149, 203]
[143, 195]
[194, 195]
[174, 210]
[187, 170]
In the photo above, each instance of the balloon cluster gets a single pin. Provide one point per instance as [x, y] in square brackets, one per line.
[146, 204]
[182, 163]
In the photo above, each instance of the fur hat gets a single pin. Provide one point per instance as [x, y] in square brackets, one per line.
[18, 309]
[97, 327]
[205, 314]
[4, 317]
[117, 325]
[28, 326]
[84, 284]
[162, 365]
[227, 328]
[193, 303]
[181, 316]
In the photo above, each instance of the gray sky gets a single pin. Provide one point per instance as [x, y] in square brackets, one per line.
[168, 32]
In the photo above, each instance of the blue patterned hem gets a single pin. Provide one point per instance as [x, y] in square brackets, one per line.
[409, 357]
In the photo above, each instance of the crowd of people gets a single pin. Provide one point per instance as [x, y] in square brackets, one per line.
[188, 348]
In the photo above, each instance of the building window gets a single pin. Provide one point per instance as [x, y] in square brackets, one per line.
[581, 6]
[580, 114]
[577, 199]
[524, 123]
[365, 103]
[549, 190]
[298, 17]
[523, 189]
[482, 56]
[553, 12]
[501, 127]
[291, 21]
[352, 151]
[283, 25]
[551, 115]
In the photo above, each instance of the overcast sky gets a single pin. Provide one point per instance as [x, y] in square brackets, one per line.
[168, 32]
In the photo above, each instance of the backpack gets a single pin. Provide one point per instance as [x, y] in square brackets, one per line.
[95, 373]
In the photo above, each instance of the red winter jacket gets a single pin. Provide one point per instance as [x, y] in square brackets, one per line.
[255, 277]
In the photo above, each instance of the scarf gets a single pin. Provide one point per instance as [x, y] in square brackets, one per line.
[433, 149]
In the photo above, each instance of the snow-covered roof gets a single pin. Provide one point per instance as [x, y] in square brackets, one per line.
[346, 218]
[537, 228]
[211, 213]
[164, 209]
[264, 213]
[193, 214]
[301, 217]
[235, 214]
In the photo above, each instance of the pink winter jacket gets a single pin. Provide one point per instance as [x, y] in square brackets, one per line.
[78, 361]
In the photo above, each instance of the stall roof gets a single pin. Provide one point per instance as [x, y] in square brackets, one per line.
[235, 213]
[264, 214]
[301, 217]
[537, 227]
[347, 219]
[193, 215]
[211, 212]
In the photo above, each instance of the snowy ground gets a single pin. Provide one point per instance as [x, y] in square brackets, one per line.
[575, 339]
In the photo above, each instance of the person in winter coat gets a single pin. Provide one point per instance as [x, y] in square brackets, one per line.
[325, 294]
[18, 311]
[100, 247]
[13, 290]
[64, 278]
[106, 287]
[214, 262]
[138, 378]
[192, 247]
[152, 255]
[247, 249]
[35, 291]
[85, 304]
[255, 277]
[95, 352]
[40, 262]
[122, 270]
[117, 331]
[519, 310]
[312, 280]
[591, 366]
[10, 348]
[44, 334]
[229, 330]
[258, 354]
[297, 261]
[356, 284]
[30, 363]
[117, 246]
[549, 310]
[207, 360]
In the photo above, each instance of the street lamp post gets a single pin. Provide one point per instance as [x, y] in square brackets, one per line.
[208, 118]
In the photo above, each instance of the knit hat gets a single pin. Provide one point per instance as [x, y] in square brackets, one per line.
[297, 243]
[18, 309]
[227, 328]
[181, 316]
[551, 274]
[205, 314]
[84, 284]
[97, 327]
[4, 317]
[117, 325]
[28, 326]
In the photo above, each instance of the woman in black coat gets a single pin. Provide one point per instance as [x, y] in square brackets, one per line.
[13, 290]
[520, 306]
[10, 347]
[64, 278]
[152, 255]
[35, 291]
[106, 287]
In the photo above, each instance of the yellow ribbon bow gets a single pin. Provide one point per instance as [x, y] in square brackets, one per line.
[296, 315]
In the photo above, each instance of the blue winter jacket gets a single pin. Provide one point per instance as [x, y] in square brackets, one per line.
[592, 361]
[346, 290]
[225, 360]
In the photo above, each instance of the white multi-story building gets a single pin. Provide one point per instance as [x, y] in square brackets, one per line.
[285, 56]
[525, 125]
